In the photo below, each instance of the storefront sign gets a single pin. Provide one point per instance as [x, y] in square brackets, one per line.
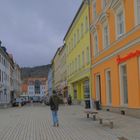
[129, 56]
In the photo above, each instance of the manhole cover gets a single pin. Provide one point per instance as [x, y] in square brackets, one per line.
[122, 138]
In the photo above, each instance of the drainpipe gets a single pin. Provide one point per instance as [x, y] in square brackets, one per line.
[90, 79]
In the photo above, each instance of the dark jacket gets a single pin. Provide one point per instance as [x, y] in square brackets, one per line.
[54, 102]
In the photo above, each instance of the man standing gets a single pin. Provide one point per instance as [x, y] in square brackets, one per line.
[54, 106]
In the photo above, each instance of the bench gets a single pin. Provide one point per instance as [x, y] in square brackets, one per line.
[91, 112]
[103, 118]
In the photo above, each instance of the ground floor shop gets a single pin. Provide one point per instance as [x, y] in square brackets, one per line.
[80, 90]
[116, 81]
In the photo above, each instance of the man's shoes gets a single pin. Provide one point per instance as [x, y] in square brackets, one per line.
[57, 125]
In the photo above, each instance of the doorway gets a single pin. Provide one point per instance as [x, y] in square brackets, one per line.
[98, 88]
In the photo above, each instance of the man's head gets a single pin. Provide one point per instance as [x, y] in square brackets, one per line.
[54, 92]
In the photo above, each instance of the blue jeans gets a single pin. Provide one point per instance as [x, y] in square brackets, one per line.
[55, 117]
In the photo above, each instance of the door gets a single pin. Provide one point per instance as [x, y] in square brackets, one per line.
[98, 88]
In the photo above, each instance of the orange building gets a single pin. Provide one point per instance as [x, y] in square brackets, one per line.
[115, 51]
[24, 88]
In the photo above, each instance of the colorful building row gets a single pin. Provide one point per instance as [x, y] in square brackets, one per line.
[102, 49]
[10, 78]
[35, 88]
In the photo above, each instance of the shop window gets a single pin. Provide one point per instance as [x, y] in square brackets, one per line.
[123, 84]
[108, 87]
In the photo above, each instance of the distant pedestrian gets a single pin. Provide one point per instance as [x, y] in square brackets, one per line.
[69, 100]
[54, 106]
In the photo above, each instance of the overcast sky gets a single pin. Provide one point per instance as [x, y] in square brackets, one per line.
[32, 30]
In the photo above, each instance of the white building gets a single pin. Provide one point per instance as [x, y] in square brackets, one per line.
[5, 60]
[10, 79]
[37, 88]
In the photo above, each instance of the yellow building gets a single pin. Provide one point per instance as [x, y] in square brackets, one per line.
[115, 48]
[77, 41]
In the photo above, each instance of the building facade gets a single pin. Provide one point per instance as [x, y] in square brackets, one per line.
[50, 80]
[9, 77]
[17, 80]
[37, 88]
[4, 77]
[56, 63]
[115, 49]
[62, 72]
[77, 41]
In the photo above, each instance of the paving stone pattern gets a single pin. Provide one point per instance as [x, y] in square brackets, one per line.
[33, 122]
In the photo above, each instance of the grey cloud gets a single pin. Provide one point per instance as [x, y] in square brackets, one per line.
[33, 29]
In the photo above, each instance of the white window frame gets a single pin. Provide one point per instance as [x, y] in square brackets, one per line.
[118, 9]
[94, 9]
[109, 102]
[96, 49]
[104, 3]
[105, 24]
[137, 18]
[121, 86]
[118, 23]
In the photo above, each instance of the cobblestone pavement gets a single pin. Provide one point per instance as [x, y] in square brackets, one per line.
[34, 123]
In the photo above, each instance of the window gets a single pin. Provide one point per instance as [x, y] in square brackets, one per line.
[79, 62]
[88, 55]
[120, 23]
[95, 45]
[138, 11]
[71, 44]
[123, 84]
[104, 3]
[2, 76]
[94, 10]
[75, 91]
[83, 59]
[72, 66]
[67, 49]
[74, 40]
[105, 36]
[70, 69]
[75, 64]
[82, 29]
[86, 23]
[98, 88]
[78, 37]
[108, 87]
